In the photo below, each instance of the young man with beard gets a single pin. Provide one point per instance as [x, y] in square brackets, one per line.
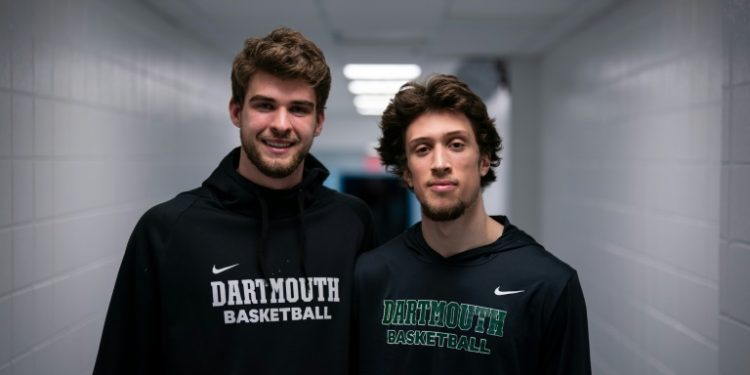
[461, 291]
[252, 271]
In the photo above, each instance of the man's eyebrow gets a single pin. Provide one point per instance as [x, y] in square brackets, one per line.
[305, 103]
[456, 133]
[418, 140]
[257, 98]
[451, 134]
[263, 98]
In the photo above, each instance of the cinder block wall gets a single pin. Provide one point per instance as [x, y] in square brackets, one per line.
[522, 154]
[631, 156]
[734, 275]
[105, 109]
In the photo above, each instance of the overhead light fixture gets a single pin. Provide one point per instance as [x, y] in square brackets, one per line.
[375, 84]
[372, 100]
[370, 111]
[382, 71]
[375, 87]
[371, 105]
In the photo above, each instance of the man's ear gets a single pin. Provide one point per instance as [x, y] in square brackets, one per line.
[408, 178]
[319, 125]
[234, 112]
[484, 165]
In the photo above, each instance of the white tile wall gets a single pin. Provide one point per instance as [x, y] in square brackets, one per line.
[740, 122]
[734, 343]
[736, 36]
[43, 60]
[6, 195]
[23, 327]
[23, 125]
[5, 58]
[631, 147]
[734, 303]
[25, 256]
[5, 125]
[21, 61]
[23, 197]
[5, 324]
[45, 117]
[739, 206]
[6, 263]
[105, 109]
[521, 157]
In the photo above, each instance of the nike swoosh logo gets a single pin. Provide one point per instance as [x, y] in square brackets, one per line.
[499, 292]
[217, 271]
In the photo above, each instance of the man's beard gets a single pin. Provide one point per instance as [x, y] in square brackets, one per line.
[274, 170]
[444, 213]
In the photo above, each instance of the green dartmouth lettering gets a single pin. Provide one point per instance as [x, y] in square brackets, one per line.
[438, 339]
[448, 314]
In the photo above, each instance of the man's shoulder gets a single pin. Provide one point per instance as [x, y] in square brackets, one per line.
[330, 198]
[157, 225]
[541, 264]
[165, 214]
[527, 251]
[389, 253]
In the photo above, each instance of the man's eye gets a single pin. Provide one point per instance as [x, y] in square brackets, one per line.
[300, 110]
[421, 150]
[457, 146]
[263, 106]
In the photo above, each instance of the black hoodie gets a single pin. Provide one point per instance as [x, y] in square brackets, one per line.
[509, 307]
[234, 278]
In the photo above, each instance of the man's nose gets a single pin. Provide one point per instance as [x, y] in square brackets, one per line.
[440, 161]
[282, 121]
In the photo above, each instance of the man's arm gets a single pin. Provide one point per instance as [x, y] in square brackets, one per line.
[565, 349]
[130, 340]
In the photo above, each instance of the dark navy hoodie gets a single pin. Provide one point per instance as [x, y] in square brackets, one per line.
[509, 308]
[234, 278]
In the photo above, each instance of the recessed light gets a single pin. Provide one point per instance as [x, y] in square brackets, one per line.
[382, 71]
[371, 104]
[370, 111]
[372, 100]
[362, 87]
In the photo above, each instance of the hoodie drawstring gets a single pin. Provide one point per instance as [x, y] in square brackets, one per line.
[263, 241]
[302, 231]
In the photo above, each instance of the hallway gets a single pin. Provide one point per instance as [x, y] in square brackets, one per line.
[627, 153]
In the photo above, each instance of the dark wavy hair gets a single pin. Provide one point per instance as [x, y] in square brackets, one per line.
[440, 92]
[286, 54]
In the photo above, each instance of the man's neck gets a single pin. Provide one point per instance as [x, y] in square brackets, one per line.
[473, 229]
[248, 170]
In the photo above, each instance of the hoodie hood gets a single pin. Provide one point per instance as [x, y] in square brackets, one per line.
[511, 239]
[238, 194]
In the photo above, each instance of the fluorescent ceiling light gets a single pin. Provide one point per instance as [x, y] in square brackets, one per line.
[382, 71]
[372, 101]
[375, 87]
[371, 105]
[370, 111]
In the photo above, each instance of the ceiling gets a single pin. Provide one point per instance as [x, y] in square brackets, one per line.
[436, 34]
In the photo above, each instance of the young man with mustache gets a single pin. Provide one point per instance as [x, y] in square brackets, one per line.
[461, 291]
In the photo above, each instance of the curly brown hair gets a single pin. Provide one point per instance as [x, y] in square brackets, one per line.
[440, 92]
[286, 54]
